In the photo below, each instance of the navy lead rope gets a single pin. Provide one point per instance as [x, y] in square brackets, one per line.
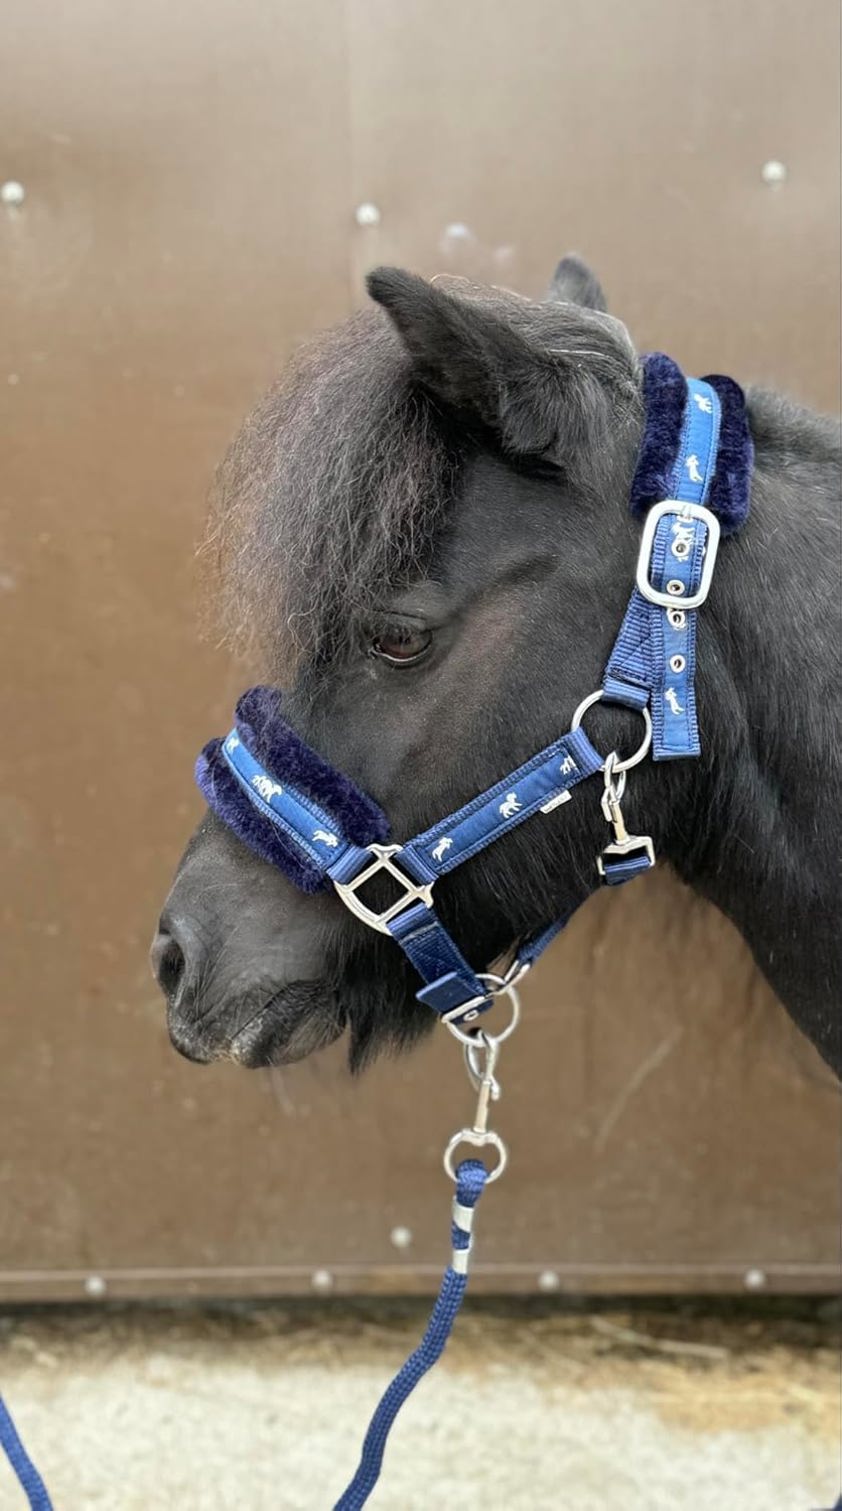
[31, 1481]
[481, 1052]
[471, 1176]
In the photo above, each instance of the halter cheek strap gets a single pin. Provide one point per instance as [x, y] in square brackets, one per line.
[314, 823]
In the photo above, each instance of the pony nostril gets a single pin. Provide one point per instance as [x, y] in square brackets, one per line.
[169, 965]
[171, 969]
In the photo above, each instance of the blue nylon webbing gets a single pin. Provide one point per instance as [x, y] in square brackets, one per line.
[654, 656]
[509, 802]
[449, 981]
[300, 818]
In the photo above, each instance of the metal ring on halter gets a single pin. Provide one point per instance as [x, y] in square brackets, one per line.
[643, 748]
[501, 988]
[477, 1141]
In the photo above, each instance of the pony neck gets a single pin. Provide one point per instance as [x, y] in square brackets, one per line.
[757, 839]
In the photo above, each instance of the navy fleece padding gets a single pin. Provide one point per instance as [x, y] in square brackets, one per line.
[664, 397]
[730, 491]
[265, 732]
[225, 797]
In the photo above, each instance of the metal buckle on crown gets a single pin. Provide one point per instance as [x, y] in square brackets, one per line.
[674, 596]
[384, 860]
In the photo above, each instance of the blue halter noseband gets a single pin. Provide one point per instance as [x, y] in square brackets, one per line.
[312, 822]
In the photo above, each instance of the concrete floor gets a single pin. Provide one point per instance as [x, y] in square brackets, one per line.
[533, 1407]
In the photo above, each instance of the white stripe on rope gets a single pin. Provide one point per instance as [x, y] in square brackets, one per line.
[463, 1216]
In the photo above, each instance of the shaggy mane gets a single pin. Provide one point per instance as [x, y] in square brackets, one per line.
[335, 490]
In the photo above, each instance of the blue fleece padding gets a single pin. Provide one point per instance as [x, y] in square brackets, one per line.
[274, 743]
[730, 491]
[664, 399]
[225, 797]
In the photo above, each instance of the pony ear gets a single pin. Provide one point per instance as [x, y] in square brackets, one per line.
[470, 357]
[574, 283]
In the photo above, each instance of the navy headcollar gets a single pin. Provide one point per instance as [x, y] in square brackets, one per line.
[692, 483]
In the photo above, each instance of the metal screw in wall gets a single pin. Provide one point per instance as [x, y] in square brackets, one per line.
[321, 1280]
[754, 1280]
[773, 173]
[367, 214]
[401, 1237]
[12, 193]
[548, 1280]
[95, 1286]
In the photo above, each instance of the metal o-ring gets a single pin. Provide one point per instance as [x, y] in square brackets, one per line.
[500, 988]
[681, 549]
[478, 1141]
[677, 664]
[643, 748]
[677, 618]
[675, 586]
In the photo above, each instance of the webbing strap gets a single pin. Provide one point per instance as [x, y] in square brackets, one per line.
[616, 871]
[541, 783]
[303, 821]
[450, 982]
[654, 656]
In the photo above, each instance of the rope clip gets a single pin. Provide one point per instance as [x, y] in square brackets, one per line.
[624, 844]
[481, 1052]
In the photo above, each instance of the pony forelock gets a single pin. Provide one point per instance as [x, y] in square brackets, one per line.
[335, 490]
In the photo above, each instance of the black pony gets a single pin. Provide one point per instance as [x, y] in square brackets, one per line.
[426, 528]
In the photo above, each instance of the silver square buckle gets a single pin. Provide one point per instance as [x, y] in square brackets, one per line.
[383, 861]
[675, 599]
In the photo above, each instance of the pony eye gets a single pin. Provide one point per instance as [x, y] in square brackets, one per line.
[402, 646]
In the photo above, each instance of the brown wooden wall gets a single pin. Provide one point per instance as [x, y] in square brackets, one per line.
[191, 175]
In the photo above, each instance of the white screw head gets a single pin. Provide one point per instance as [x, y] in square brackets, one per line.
[401, 1237]
[95, 1286]
[12, 193]
[754, 1280]
[773, 172]
[367, 214]
[548, 1280]
[321, 1280]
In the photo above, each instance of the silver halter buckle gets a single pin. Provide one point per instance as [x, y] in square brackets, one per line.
[675, 599]
[384, 860]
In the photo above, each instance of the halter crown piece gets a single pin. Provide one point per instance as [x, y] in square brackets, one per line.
[691, 486]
